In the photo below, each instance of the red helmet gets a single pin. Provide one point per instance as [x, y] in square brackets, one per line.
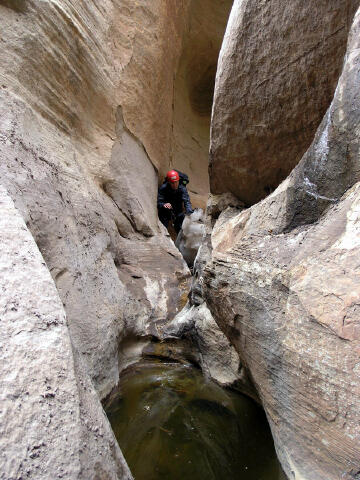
[172, 176]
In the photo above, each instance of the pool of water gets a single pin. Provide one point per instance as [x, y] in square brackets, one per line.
[172, 423]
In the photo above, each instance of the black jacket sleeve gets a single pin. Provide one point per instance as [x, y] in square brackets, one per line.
[186, 200]
[161, 196]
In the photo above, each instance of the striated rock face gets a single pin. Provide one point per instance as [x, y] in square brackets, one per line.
[84, 183]
[277, 73]
[283, 284]
[52, 423]
[75, 62]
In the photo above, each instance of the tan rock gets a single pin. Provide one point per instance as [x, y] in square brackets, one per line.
[84, 183]
[278, 70]
[285, 273]
[52, 423]
[146, 41]
[86, 187]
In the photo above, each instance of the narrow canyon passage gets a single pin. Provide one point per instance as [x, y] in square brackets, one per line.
[194, 83]
[215, 434]
[98, 100]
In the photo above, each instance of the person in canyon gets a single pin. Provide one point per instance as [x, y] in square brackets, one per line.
[173, 198]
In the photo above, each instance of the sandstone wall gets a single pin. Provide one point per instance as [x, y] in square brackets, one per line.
[75, 62]
[285, 273]
[83, 181]
[85, 109]
[52, 424]
[146, 39]
[278, 69]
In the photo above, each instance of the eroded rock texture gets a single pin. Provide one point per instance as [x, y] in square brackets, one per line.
[198, 335]
[283, 284]
[278, 70]
[84, 183]
[52, 423]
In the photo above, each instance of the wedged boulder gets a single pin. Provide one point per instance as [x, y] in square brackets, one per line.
[204, 343]
[52, 423]
[278, 68]
[190, 236]
[283, 284]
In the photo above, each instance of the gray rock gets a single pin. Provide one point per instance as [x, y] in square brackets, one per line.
[278, 68]
[52, 422]
[285, 273]
[205, 343]
[191, 235]
[216, 357]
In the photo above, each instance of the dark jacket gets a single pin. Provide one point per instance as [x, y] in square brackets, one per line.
[176, 197]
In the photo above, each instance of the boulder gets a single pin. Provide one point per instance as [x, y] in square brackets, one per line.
[286, 277]
[278, 68]
[205, 344]
[190, 236]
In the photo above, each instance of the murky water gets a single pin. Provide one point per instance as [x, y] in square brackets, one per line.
[172, 423]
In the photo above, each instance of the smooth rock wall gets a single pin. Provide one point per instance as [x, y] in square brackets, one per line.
[52, 423]
[75, 62]
[84, 183]
[286, 277]
[277, 72]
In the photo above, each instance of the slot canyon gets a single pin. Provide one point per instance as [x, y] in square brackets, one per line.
[257, 101]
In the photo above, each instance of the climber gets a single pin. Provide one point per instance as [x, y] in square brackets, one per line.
[172, 199]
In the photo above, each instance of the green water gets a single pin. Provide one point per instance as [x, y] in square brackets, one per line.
[172, 423]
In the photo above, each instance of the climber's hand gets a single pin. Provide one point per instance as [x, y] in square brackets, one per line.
[168, 205]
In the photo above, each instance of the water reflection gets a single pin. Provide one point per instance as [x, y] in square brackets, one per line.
[173, 423]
